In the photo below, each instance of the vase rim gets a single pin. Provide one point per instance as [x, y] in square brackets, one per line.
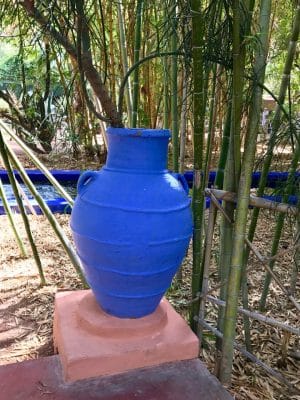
[139, 132]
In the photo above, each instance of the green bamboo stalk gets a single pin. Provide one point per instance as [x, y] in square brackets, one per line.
[198, 125]
[232, 168]
[5, 157]
[237, 93]
[239, 231]
[276, 120]
[183, 125]
[183, 119]
[210, 135]
[124, 60]
[48, 214]
[165, 94]
[37, 162]
[137, 46]
[11, 220]
[290, 184]
[174, 89]
[224, 150]
[254, 119]
[166, 81]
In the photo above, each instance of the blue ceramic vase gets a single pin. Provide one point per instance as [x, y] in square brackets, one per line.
[132, 223]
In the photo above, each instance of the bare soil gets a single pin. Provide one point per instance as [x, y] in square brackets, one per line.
[26, 308]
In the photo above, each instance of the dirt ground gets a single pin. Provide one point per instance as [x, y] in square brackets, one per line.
[26, 309]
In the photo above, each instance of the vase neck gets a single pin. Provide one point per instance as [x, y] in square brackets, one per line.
[137, 149]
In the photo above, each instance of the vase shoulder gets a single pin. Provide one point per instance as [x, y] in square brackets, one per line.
[127, 189]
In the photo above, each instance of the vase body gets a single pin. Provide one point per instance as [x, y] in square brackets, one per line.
[131, 223]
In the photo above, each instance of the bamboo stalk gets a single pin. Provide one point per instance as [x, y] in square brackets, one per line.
[11, 220]
[253, 126]
[37, 162]
[137, 46]
[48, 214]
[242, 15]
[224, 150]
[5, 157]
[225, 177]
[210, 136]
[232, 168]
[174, 88]
[198, 125]
[124, 60]
[166, 78]
[183, 120]
[239, 237]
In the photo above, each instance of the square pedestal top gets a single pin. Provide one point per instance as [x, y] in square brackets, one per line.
[92, 343]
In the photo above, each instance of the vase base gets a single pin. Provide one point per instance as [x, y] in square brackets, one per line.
[92, 343]
[95, 320]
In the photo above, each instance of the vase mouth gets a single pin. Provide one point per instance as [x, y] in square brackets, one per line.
[139, 132]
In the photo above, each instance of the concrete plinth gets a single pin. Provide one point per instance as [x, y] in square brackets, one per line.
[92, 343]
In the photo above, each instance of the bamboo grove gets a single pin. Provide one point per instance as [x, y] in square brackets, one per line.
[199, 68]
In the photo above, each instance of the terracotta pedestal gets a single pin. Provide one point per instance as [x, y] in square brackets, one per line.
[92, 343]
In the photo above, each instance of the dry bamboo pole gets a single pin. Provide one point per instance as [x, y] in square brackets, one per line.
[5, 157]
[277, 375]
[48, 214]
[11, 220]
[37, 162]
[255, 201]
[258, 316]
